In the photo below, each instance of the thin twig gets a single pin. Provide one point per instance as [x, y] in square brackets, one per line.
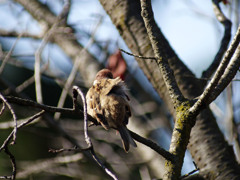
[10, 124]
[13, 162]
[47, 36]
[190, 173]
[12, 135]
[41, 165]
[37, 65]
[134, 55]
[33, 104]
[5, 33]
[30, 80]
[14, 117]
[9, 54]
[35, 116]
[75, 149]
[2, 109]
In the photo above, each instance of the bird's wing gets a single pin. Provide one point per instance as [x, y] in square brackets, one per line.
[113, 86]
[94, 106]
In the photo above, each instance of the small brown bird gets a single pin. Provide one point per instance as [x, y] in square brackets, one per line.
[107, 102]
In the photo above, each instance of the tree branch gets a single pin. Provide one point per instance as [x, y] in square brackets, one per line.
[74, 71]
[14, 132]
[87, 138]
[225, 40]
[70, 46]
[152, 145]
[167, 73]
[9, 55]
[224, 74]
[11, 135]
[5, 33]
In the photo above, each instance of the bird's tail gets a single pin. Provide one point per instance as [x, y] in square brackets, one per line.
[126, 138]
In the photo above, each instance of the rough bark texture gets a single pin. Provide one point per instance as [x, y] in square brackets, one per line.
[207, 145]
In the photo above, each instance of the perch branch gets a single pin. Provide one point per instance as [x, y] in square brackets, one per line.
[87, 138]
[152, 145]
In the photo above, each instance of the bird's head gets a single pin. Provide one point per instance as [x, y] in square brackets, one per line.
[104, 74]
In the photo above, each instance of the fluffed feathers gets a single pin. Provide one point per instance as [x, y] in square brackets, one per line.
[107, 101]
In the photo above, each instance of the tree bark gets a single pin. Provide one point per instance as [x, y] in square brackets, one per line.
[210, 151]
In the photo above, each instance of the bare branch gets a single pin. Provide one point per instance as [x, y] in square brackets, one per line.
[74, 71]
[30, 103]
[5, 33]
[87, 138]
[70, 45]
[2, 109]
[152, 145]
[65, 11]
[13, 162]
[30, 80]
[6, 142]
[228, 75]
[37, 65]
[9, 54]
[46, 38]
[13, 135]
[225, 40]
[75, 149]
[220, 80]
[41, 165]
[167, 73]
[190, 173]
[134, 55]
[14, 117]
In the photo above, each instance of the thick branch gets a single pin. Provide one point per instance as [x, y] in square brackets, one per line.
[126, 15]
[167, 73]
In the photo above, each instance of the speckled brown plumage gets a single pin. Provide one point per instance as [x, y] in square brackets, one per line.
[107, 102]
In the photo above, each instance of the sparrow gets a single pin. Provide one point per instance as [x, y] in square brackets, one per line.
[107, 102]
